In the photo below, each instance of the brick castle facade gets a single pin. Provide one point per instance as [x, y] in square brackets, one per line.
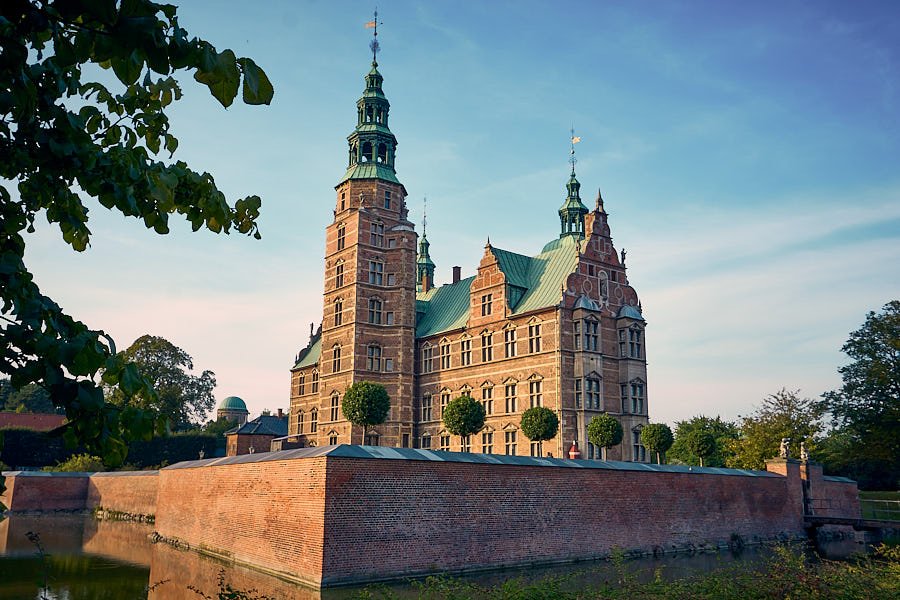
[562, 329]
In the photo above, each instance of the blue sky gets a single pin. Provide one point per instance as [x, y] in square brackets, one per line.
[748, 154]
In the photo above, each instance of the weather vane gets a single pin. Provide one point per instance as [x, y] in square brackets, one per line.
[373, 24]
[575, 139]
[424, 213]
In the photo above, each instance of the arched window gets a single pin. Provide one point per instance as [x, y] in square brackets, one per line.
[341, 236]
[339, 274]
[382, 153]
[336, 358]
[338, 311]
[373, 357]
[314, 420]
[300, 421]
[466, 390]
[366, 153]
[375, 311]
[301, 385]
[445, 353]
[335, 405]
[371, 438]
[315, 381]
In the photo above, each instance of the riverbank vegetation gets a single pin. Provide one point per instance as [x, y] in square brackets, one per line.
[787, 573]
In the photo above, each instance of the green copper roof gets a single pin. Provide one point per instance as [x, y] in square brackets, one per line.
[232, 403]
[311, 355]
[370, 171]
[532, 283]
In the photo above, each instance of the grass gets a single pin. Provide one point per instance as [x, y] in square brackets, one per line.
[879, 495]
[880, 505]
[788, 574]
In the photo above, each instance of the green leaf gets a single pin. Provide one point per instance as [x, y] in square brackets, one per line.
[128, 69]
[130, 380]
[257, 87]
[220, 73]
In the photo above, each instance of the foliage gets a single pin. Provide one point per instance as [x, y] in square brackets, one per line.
[66, 138]
[722, 431]
[79, 463]
[866, 410]
[218, 428]
[182, 397]
[701, 444]
[786, 574]
[29, 399]
[782, 415]
[464, 416]
[539, 424]
[28, 448]
[657, 438]
[605, 431]
[366, 404]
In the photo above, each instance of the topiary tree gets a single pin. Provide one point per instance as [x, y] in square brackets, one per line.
[605, 431]
[657, 438]
[464, 416]
[538, 424]
[700, 443]
[366, 404]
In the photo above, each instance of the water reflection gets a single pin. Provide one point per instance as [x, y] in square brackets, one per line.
[112, 559]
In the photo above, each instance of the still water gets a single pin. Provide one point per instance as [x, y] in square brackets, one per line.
[89, 559]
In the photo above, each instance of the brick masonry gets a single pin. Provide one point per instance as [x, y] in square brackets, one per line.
[326, 516]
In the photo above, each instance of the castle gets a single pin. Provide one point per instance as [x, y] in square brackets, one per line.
[562, 329]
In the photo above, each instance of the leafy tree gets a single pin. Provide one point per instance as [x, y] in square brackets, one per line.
[182, 397]
[80, 463]
[605, 431]
[723, 433]
[657, 438]
[366, 404]
[30, 399]
[782, 415]
[539, 424]
[66, 138]
[700, 443]
[464, 416]
[866, 410]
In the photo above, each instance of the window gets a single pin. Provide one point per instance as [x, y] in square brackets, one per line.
[336, 359]
[509, 342]
[315, 382]
[624, 393]
[376, 234]
[427, 359]
[577, 335]
[534, 392]
[466, 443]
[338, 312]
[592, 393]
[376, 272]
[300, 422]
[486, 305]
[591, 335]
[510, 438]
[387, 200]
[375, 311]
[487, 350]
[634, 343]
[612, 276]
[487, 399]
[639, 453]
[425, 412]
[389, 318]
[534, 338]
[466, 390]
[343, 200]
[445, 400]
[577, 393]
[341, 237]
[392, 242]
[390, 279]
[510, 389]
[335, 406]
[339, 274]
[445, 443]
[487, 442]
[301, 385]
[445, 355]
[426, 442]
[465, 351]
[333, 439]
[373, 357]
[637, 398]
[590, 450]
[622, 352]
[536, 449]
[314, 420]
[389, 365]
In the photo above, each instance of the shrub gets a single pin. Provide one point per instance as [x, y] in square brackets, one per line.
[464, 416]
[80, 463]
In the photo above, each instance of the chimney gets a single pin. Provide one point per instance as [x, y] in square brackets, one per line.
[280, 414]
[426, 282]
[457, 272]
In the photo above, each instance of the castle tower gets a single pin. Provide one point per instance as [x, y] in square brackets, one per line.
[424, 264]
[368, 329]
[571, 213]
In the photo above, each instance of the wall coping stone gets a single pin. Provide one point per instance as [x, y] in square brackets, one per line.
[80, 473]
[387, 453]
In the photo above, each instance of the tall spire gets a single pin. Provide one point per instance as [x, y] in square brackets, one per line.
[372, 145]
[571, 213]
[424, 264]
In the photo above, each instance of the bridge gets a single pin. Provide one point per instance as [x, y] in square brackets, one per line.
[875, 515]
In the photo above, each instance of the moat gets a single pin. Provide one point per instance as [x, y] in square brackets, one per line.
[87, 558]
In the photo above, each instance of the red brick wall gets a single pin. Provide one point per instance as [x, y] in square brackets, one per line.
[130, 492]
[412, 516]
[30, 491]
[260, 513]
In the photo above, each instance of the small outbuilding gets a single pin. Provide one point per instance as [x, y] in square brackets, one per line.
[256, 435]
